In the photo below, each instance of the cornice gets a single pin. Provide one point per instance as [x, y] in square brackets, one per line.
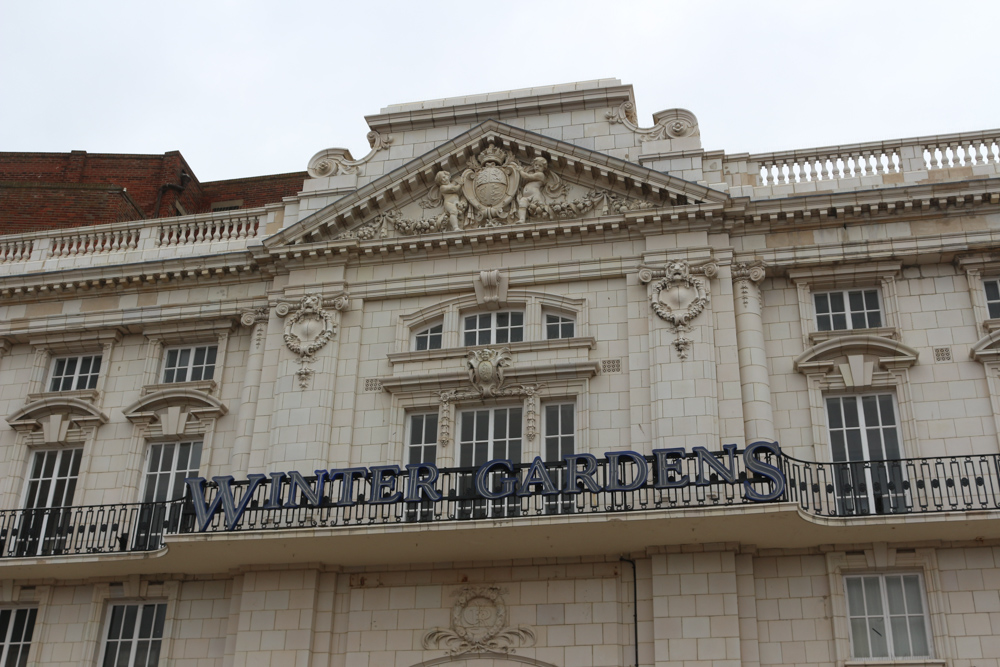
[903, 202]
[179, 271]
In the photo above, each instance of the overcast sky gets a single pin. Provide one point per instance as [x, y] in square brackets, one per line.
[250, 88]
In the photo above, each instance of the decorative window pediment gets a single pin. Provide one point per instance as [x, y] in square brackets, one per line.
[173, 408]
[55, 415]
[856, 356]
[987, 348]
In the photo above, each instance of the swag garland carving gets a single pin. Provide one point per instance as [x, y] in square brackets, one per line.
[496, 190]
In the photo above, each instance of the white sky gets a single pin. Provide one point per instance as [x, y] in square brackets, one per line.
[250, 88]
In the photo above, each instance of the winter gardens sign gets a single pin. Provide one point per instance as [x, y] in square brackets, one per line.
[619, 472]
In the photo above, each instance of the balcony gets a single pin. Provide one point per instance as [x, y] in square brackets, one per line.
[954, 497]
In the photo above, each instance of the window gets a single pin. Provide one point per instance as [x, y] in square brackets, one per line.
[887, 616]
[16, 628]
[135, 635]
[992, 288]
[494, 328]
[559, 326]
[74, 373]
[429, 338]
[560, 440]
[169, 464]
[851, 309]
[422, 448]
[53, 477]
[46, 527]
[864, 436]
[485, 435]
[190, 364]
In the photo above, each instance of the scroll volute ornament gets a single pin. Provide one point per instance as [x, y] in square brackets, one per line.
[678, 297]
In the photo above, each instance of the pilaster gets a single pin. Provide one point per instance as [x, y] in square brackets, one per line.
[755, 382]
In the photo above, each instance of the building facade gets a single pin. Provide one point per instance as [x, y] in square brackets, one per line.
[527, 383]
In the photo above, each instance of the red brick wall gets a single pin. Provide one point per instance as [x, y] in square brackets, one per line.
[255, 191]
[127, 188]
[28, 207]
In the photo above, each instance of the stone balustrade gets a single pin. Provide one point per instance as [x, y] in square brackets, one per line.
[875, 162]
[149, 239]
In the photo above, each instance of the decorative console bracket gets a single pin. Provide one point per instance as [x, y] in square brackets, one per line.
[309, 328]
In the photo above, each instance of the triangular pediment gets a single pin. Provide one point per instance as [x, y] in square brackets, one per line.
[496, 175]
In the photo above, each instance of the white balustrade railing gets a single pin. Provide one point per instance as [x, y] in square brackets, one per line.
[184, 232]
[15, 251]
[155, 238]
[877, 158]
[83, 241]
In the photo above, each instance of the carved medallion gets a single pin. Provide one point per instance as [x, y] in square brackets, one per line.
[309, 329]
[479, 623]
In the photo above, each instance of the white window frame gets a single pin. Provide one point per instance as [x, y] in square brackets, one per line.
[494, 327]
[7, 641]
[886, 615]
[172, 473]
[423, 441]
[562, 321]
[93, 377]
[61, 455]
[106, 630]
[848, 312]
[509, 506]
[431, 337]
[995, 283]
[559, 504]
[850, 473]
[189, 367]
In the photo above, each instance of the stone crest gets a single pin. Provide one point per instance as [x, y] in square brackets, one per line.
[491, 183]
[479, 623]
[486, 369]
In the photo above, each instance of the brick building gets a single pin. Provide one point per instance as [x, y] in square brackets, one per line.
[527, 383]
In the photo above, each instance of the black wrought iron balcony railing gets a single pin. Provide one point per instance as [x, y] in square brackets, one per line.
[840, 490]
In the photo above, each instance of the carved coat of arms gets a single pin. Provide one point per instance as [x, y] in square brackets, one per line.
[491, 183]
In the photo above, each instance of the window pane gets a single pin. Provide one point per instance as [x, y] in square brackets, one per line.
[900, 636]
[859, 635]
[918, 636]
[914, 600]
[894, 595]
[877, 638]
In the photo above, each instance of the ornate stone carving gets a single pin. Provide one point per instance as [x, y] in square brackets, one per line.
[338, 161]
[679, 297]
[746, 275]
[309, 329]
[486, 368]
[668, 124]
[647, 274]
[479, 623]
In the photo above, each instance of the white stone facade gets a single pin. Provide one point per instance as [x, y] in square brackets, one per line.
[699, 293]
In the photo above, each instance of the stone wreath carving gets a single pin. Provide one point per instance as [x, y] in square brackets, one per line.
[668, 124]
[678, 298]
[486, 375]
[479, 624]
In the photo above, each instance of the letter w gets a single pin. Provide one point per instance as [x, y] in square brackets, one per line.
[204, 512]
